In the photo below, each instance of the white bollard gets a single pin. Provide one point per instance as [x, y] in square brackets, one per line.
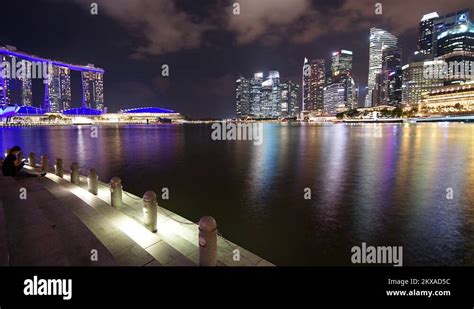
[116, 192]
[207, 241]
[75, 173]
[58, 167]
[44, 163]
[93, 181]
[150, 210]
[32, 160]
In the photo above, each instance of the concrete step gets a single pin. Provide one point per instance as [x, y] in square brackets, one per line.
[117, 233]
[175, 243]
[31, 240]
[80, 244]
[178, 232]
[4, 254]
[167, 247]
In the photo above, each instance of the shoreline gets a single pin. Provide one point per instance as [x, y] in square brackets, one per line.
[465, 119]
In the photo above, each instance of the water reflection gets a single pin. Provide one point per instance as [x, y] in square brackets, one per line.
[380, 184]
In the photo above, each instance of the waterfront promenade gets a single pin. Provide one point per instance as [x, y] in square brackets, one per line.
[58, 223]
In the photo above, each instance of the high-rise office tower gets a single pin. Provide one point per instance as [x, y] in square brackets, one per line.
[449, 24]
[454, 41]
[341, 72]
[425, 36]
[242, 97]
[270, 99]
[390, 79]
[289, 99]
[391, 58]
[334, 98]
[314, 80]
[414, 83]
[378, 40]
[341, 62]
[256, 94]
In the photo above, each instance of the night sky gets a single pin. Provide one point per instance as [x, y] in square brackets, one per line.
[204, 44]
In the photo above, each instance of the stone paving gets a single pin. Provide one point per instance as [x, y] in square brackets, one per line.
[60, 224]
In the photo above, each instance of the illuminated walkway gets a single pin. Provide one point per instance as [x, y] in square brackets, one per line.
[62, 224]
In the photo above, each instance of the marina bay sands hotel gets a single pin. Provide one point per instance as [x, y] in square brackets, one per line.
[17, 89]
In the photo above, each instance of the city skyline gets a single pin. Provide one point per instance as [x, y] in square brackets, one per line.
[134, 74]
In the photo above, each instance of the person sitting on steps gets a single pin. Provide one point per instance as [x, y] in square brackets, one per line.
[11, 166]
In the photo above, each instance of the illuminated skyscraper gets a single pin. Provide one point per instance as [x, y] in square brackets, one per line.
[449, 27]
[425, 36]
[454, 41]
[58, 90]
[266, 97]
[414, 83]
[98, 90]
[242, 97]
[5, 81]
[313, 82]
[378, 40]
[270, 99]
[289, 99]
[26, 85]
[334, 98]
[87, 80]
[341, 72]
[341, 62]
[52, 102]
[65, 80]
[256, 94]
[389, 82]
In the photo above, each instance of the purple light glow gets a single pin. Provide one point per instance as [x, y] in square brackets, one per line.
[58, 63]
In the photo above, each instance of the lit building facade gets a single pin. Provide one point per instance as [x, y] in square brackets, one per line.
[341, 62]
[446, 23]
[341, 73]
[314, 80]
[414, 83]
[289, 99]
[242, 97]
[5, 83]
[378, 40]
[261, 97]
[57, 86]
[334, 98]
[388, 84]
[270, 95]
[449, 99]
[256, 94]
[425, 36]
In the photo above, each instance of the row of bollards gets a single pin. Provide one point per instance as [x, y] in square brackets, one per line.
[207, 225]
